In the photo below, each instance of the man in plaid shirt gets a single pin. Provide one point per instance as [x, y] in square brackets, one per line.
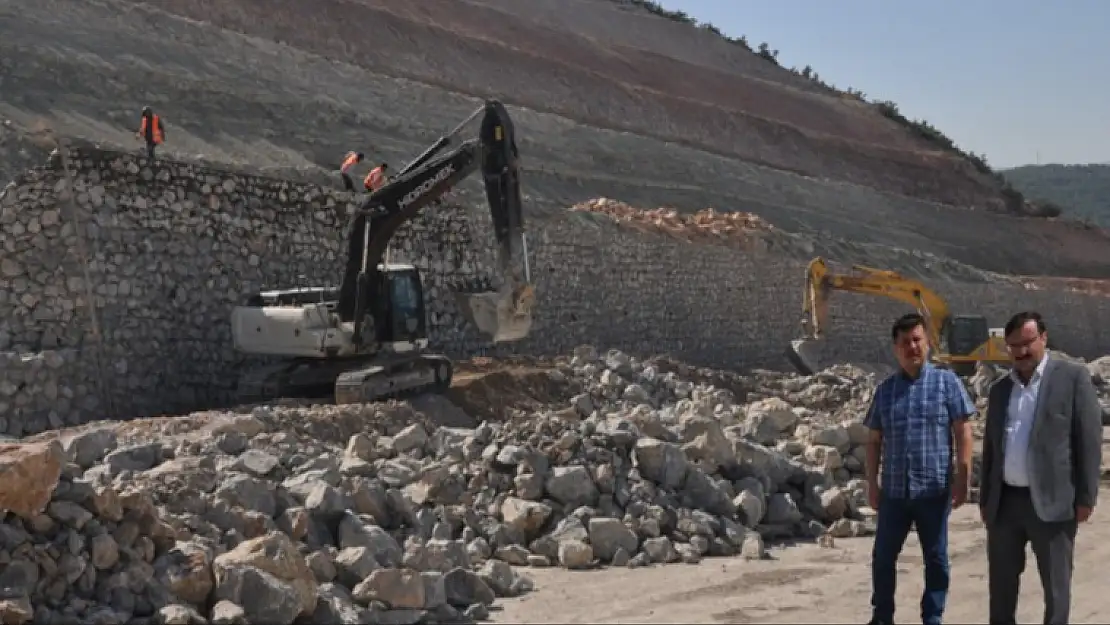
[913, 418]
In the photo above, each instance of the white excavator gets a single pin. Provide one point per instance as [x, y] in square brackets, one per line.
[367, 339]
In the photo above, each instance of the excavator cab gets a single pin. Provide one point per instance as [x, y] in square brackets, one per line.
[965, 334]
[962, 337]
[397, 303]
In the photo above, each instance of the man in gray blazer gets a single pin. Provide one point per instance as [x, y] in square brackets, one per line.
[1042, 452]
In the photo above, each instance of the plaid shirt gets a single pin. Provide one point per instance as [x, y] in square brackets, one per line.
[916, 417]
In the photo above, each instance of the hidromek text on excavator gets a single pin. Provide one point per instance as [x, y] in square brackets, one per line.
[367, 339]
[955, 341]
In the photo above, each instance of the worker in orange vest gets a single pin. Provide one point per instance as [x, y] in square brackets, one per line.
[151, 130]
[352, 159]
[376, 178]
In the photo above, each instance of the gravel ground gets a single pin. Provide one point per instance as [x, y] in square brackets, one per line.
[805, 584]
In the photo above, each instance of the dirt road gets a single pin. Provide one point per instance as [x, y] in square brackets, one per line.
[804, 584]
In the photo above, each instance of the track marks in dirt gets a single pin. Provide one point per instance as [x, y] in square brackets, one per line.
[748, 582]
[752, 615]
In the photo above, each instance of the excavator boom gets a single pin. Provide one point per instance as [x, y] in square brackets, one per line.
[804, 353]
[499, 316]
[506, 314]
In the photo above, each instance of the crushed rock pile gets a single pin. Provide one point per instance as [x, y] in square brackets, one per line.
[733, 227]
[1092, 286]
[373, 513]
[1100, 375]
[985, 375]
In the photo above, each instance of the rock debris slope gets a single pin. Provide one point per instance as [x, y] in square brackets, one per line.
[292, 514]
[608, 101]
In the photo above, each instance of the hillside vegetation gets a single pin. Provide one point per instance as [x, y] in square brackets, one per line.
[1081, 191]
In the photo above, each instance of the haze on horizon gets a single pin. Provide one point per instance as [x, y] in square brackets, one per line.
[1017, 80]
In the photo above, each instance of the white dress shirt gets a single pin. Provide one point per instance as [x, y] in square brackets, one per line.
[1019, 426]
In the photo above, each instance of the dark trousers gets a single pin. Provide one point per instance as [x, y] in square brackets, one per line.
[348, 184]
[1053, 546]
[150, 145]
[930, 517]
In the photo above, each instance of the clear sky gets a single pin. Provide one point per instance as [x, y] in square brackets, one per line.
[1010, 79]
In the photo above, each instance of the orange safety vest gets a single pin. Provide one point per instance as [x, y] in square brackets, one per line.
[374, 179]
[157, 123]
[349, 162]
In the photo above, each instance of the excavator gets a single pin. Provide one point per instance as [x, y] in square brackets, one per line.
[368, 339]
[957, 342]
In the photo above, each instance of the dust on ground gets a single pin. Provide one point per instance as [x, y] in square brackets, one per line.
[805, 584]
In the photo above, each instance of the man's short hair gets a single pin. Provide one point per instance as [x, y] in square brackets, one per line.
[1019, 320]
[906, 323]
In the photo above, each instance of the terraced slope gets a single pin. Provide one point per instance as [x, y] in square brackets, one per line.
[476, 49]
[693, 121]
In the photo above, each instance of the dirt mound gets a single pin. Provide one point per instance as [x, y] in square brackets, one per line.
[494, 390]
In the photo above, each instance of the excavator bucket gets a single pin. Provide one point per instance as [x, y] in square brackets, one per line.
[505, 315]
[499, 316]
[805, 355]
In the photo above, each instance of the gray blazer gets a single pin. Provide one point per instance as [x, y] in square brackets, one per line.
[1065, 446]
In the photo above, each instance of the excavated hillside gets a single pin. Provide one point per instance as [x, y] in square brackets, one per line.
[609, 100]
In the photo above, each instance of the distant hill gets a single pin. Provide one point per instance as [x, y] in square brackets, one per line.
[1082, 191]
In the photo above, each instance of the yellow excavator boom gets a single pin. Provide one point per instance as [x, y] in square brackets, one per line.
[820, 281]
[929, 304]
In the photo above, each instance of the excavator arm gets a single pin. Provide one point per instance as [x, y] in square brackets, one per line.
[499, 316]
[815, 305]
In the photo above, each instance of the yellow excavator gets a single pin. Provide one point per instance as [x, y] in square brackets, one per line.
[957, 342]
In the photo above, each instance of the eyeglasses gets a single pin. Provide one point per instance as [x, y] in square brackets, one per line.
[1023, 345]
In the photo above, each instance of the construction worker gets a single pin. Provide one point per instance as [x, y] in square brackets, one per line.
[151, 130]
[376, 178]
[352, 159]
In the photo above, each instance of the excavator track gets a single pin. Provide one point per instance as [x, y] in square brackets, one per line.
[426, 373]
[347, 381]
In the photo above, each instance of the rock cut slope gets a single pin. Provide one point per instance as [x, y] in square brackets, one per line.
[602, 110]
[610, 83]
